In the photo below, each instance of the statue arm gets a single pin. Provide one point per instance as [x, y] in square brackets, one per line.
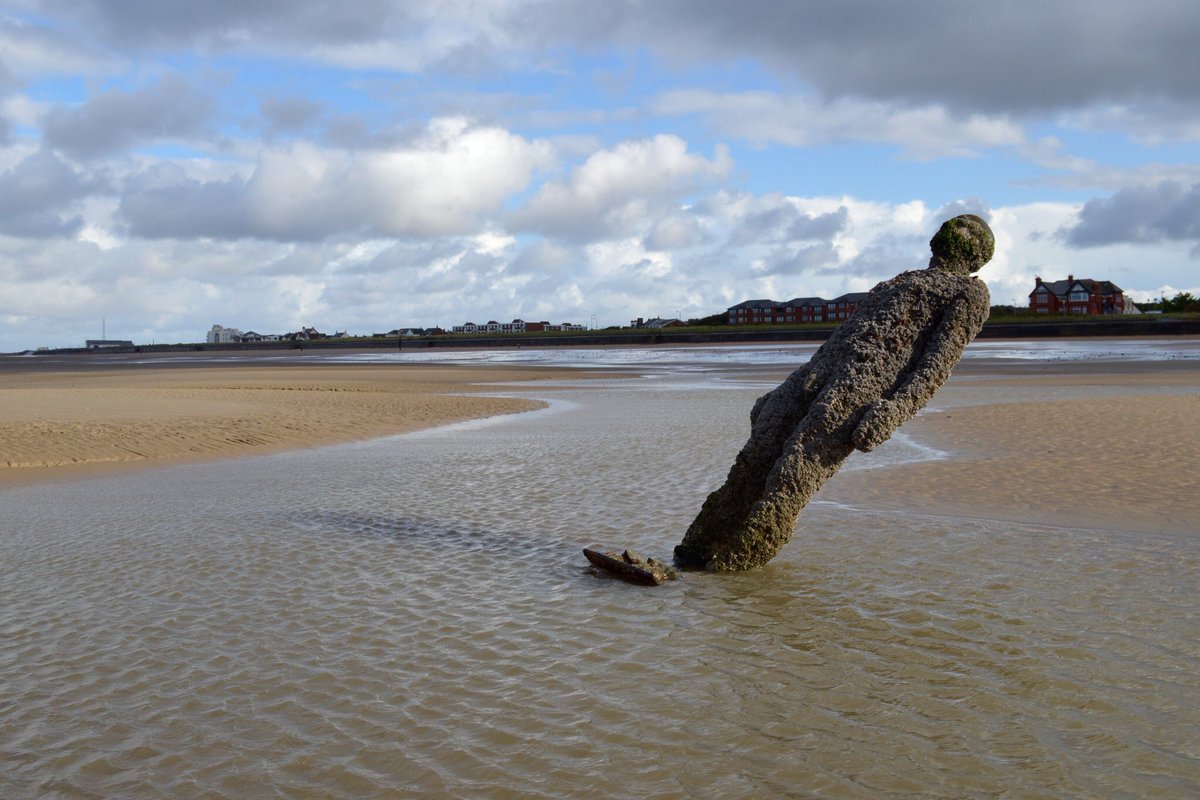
[797, 386]
[958, 326]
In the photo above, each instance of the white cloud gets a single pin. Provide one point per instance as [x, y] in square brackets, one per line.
[174, 289]
[447, 182]
[675, 231]
[622, 190]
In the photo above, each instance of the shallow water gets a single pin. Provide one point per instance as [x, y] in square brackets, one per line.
[413, 617]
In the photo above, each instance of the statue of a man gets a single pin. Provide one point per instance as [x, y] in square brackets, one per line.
[873, 373]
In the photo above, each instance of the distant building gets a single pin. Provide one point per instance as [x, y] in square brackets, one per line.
[796, 310]
[101, 344]
[656, 322]
[251, 337]
[753, 312]
[305, 334]
[409, 333]
[222, 335]
[1079, 296]
[804, 309]
[516, 326]
[843, 307]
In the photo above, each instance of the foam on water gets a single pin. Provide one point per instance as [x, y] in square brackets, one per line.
[413, 617]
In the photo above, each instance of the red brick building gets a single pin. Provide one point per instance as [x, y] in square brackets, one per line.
[796, 310]
[752, 312]
[1079, 296]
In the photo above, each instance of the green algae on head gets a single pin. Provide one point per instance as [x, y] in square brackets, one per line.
[963, 244]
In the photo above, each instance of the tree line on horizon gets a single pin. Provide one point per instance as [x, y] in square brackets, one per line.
[1181, 303]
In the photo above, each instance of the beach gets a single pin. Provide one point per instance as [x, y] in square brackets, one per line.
[1104, 446]
[73, 420]
[998, 601]
[1124, 431]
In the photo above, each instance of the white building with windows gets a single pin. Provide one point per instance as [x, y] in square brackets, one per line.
[222, 335]
[516, 326]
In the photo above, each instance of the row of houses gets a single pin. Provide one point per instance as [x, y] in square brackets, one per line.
[219, 334]
[800, 309]
[516, 326]
[1070, 296]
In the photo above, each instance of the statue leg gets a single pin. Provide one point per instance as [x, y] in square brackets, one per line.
[772, 420]
[769, 523]
[722, 511]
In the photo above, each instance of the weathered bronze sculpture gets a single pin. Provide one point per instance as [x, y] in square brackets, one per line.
[873, 373]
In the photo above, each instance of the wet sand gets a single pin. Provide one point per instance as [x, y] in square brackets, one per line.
[1101, 446]
[70, 421]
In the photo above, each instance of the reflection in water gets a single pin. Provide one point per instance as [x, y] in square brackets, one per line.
[413, 617]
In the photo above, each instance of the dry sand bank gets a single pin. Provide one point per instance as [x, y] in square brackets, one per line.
[1095, 447]
[59, 424]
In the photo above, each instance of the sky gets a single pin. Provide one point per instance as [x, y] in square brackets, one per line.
[271, 164]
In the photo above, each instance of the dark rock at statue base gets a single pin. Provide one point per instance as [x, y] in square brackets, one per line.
[632, 567]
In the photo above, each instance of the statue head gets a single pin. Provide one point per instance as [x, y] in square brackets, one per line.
[963, 245]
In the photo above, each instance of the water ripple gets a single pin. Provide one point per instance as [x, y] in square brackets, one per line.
[413, 617]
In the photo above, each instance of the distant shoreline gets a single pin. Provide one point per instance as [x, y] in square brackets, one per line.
[1157, 326]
